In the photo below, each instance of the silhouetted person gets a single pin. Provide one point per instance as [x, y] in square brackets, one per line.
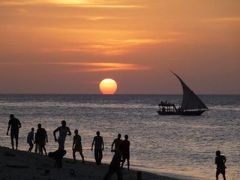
[98, 147]
[30, 139]
[77, 146]
[163, 110]
[125, 148]
[220, 161]
[57, 156]
[37, 150]
[115, 167]
[14, 124]
[116, 143]
[41, 139]
[36, 140]
[63, 132]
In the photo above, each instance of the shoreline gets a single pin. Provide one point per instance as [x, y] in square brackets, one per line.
[21, 165]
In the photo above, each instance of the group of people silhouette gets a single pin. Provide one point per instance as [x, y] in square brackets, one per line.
[121, 148]
[40, 138]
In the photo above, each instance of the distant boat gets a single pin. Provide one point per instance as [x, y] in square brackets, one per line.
[192, 105]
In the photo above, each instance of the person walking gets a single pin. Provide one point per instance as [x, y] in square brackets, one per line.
[30, 139]
[63, 132]
[220, 161]
[98, 147]
[77, 146]
[41, 139]
[14, 124]
[125, 148]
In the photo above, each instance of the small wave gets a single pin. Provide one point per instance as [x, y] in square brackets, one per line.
[225, 108]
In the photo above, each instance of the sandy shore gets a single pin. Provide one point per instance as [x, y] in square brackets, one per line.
[20, 165]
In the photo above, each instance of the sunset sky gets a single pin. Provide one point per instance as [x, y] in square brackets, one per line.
[69, 46]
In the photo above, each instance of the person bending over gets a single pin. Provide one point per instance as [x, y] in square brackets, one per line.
[115, 167]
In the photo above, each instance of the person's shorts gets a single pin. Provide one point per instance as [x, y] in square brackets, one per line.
[61, 143]
[126, 156]
[42, 143]
[220, 171]
[14, 134]
[78, 149]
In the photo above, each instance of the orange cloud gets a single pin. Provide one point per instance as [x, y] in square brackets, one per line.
[75, 3]
[224, 19]
[86, 67]
[112, 46]
[99, 67]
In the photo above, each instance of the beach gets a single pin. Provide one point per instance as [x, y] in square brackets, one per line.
[20, 165]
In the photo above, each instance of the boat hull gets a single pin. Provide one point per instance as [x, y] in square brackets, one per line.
[192, 113]
[183, 113]
[168, 113]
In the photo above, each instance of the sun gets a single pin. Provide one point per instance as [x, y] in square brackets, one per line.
[108, 86]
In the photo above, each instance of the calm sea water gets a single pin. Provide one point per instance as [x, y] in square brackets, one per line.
[171, 144]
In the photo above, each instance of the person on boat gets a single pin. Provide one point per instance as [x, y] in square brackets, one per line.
[63, 132]
[98, 147]
[163, 109]
[116, 143]
[77, 146]
[220, 161]
[30, 139]
[14, 124]
[125, 148]
[41, 139]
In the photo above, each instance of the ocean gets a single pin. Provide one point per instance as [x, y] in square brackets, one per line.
[174, 145]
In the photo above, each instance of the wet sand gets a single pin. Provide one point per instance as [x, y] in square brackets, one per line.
[20, 165]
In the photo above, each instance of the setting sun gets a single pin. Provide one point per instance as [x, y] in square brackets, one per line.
[108, 86]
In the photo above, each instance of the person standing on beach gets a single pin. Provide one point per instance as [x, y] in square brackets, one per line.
[14, 124]
[125, 148]
[41, 139]
[98, 147]
[30, 139]
[77, 146]
[36, 144]
[220, 161]
[116, 143]
[63, 132]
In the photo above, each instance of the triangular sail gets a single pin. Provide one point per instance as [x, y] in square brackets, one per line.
[190, 100]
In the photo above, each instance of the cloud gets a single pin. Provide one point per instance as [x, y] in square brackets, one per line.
[75, 3]
[85, 66]
[100, 18]
[112, 47]
[101, 67]
[224, 19]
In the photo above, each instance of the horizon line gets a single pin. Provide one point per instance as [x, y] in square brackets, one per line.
[117, 94]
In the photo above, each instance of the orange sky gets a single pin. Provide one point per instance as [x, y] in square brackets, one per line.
[69, 46]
